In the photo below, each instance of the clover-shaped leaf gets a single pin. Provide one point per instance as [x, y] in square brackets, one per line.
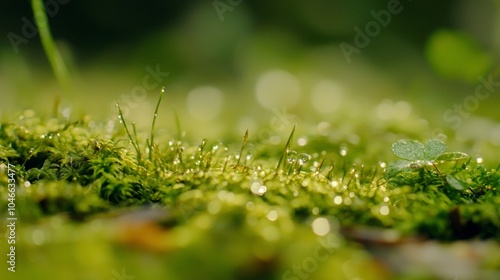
[397, 166]
[408, 149]
[415, 155]
[434, 148]
[450, 156]
[413, 150]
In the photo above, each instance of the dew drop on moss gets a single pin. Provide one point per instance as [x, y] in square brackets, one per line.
[215, 148]
[302, 141]
[384, 210]
[343, 151]
[203, 144]
[320, 226]
[249, 155]
[304, 158]
[291, 156]
[337, 200]
[272, 215]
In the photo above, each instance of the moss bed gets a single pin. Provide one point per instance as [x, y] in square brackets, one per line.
[102, 200]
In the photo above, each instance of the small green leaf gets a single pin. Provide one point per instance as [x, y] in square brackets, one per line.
[398, 166]
[408, 149]
[451, 156]
[434, 148]
[455, 183]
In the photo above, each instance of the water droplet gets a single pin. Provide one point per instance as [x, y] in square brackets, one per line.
[291, 156]
[304, 158]
[302, 141]
[249, 155]
[215, 148]
[272, 215]
[479, 160]
[383, 165]
[250, 205]
[347, 201]
[262, 190]
[337, 200]
[323, 128]
[343, 151]
[32, 150]
[203, 144]
[66, 112]
[417, 165]
[255, 185]
[321, 226]
[384, 210]
[176, 160]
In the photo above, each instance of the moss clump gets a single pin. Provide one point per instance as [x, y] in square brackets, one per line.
[81, 168]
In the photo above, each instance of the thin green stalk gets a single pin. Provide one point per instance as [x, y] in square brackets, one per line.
[134, 143]
[134, 129]
[54, 56]
[245, 142]
[287, 147]
[152, 134]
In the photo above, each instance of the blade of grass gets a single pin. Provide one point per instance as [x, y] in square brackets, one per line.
[287, 147]
[134, 129]
[245, 142]
[152, 137]
[54, 56]
[134, 144]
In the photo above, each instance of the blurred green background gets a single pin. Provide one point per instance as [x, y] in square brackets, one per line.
[231, 63]
[260, 65]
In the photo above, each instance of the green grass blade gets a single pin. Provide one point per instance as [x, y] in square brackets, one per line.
[122, 119]
[54, 56]
[152, 137]
[287, 147]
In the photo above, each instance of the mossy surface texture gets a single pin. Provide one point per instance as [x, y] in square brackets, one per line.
[102, 199]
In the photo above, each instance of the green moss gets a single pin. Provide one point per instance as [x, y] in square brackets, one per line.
[80, 168]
